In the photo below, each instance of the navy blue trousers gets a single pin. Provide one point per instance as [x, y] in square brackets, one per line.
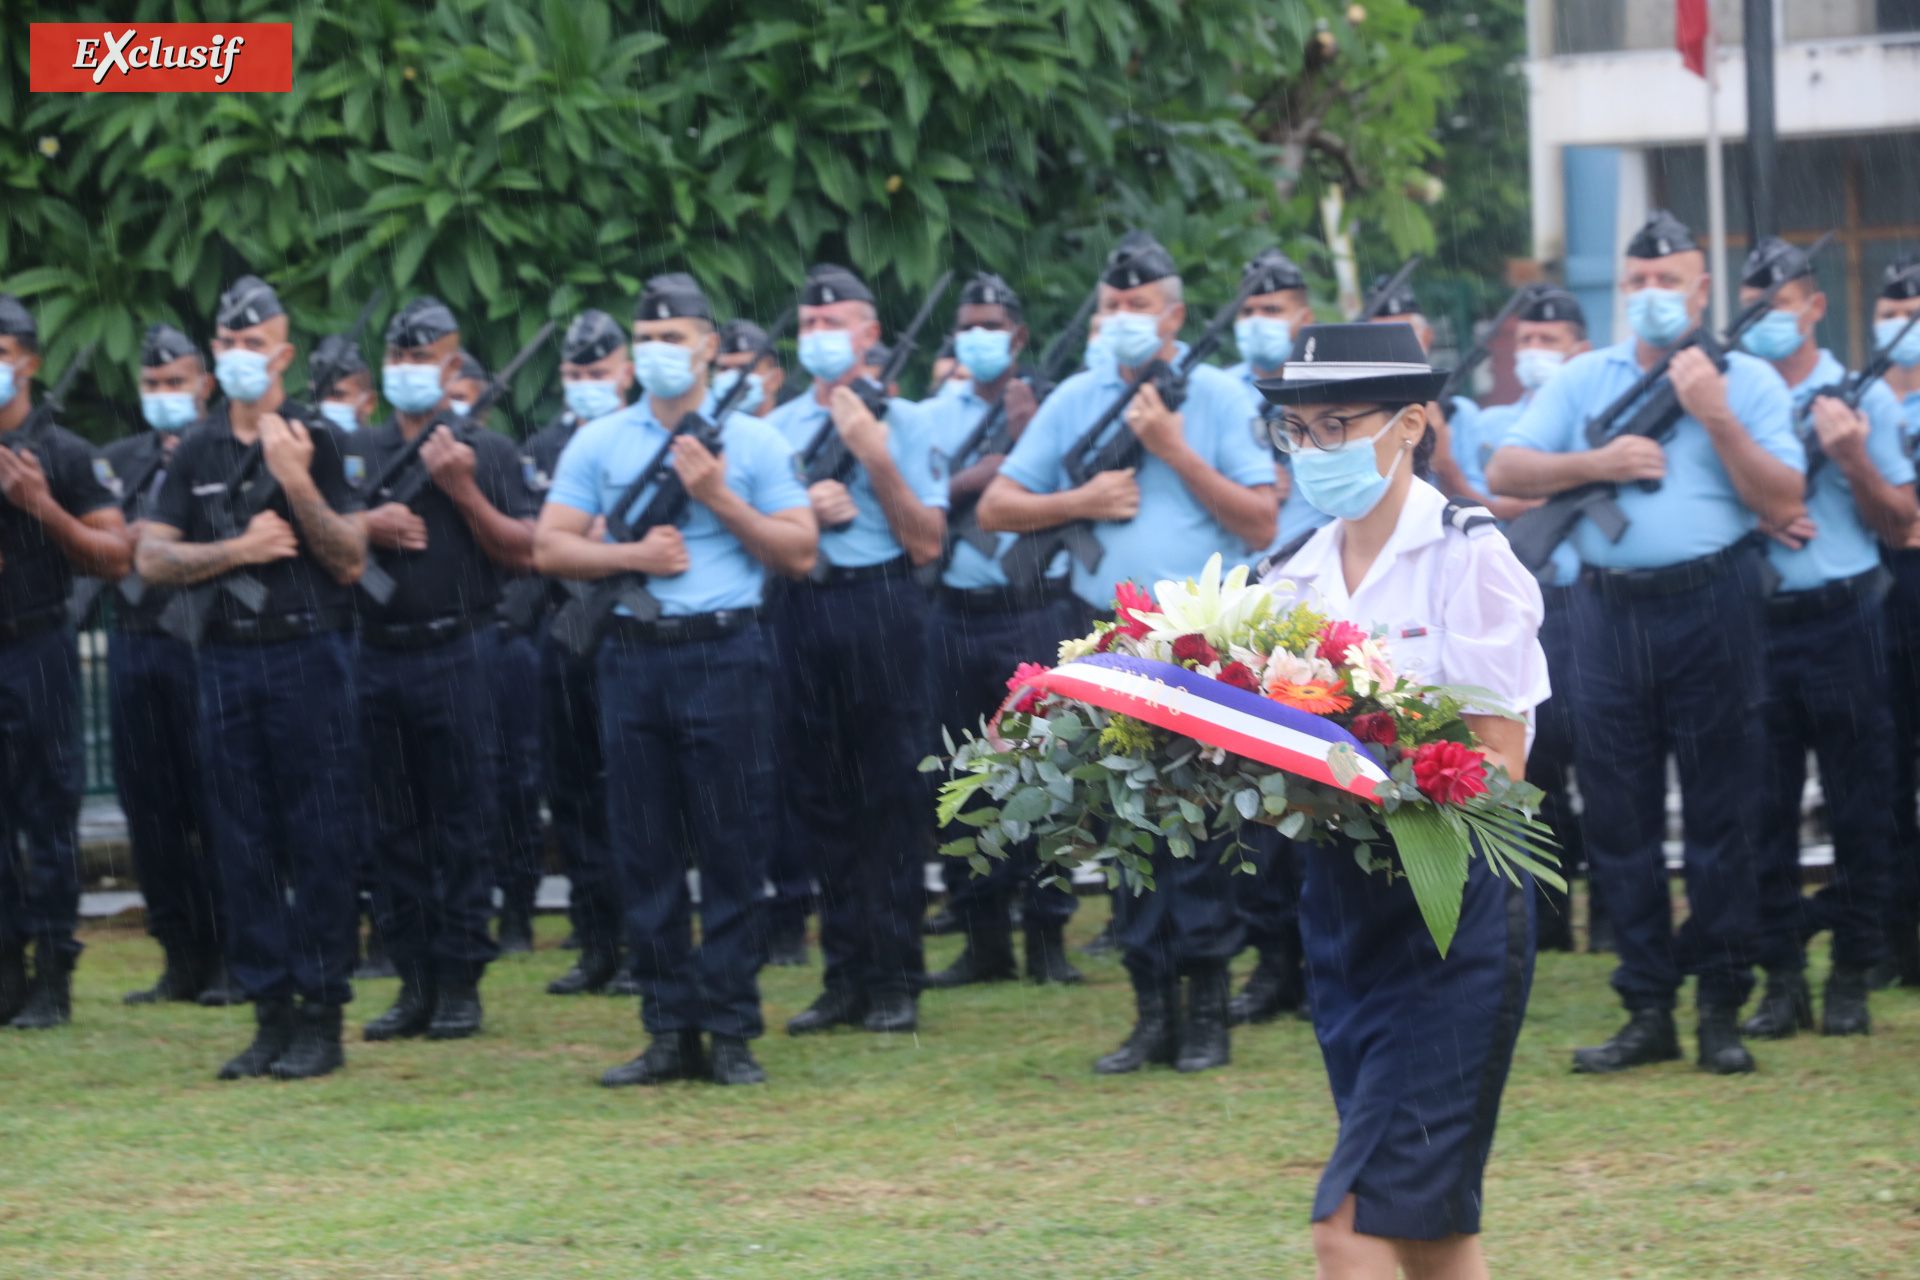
[1900, 912]
[853, 658]
[1190, 920]
[973, 655]
[1417, 1047]
[153, 700]
[430, 739]
[576, 781]
[1550, 759]
[41, 778]
[518, 846]
[1827, 693]
[1682, 673]
[286, 809]
[1269, 902]
[692, 772]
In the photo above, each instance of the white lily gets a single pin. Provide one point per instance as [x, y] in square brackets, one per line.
[1222, 611]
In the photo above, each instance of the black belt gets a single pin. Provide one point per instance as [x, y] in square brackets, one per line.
[1830, 597]
[833, 575]
[419, 635]
[280, 626]
[25, 626]
[1002, 599]
[682, 630]
[1668, 580]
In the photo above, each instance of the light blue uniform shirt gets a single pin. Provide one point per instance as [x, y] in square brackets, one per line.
[869, 539]
[1696, 511]
[1297, 515]
[1493, 427]
[1844, 546]
[606, 454]
[954, 413]
[1910, 406]
[1173, 535]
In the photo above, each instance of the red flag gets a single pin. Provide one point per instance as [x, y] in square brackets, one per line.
[1690, 34]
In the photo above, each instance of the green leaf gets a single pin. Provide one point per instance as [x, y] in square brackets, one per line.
[1433, 851]
[1026, 805]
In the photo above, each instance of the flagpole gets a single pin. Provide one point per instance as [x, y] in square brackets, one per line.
[1716, 182]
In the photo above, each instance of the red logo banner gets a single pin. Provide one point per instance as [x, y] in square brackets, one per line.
[161, 57]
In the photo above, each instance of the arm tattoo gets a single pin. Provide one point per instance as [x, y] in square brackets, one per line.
[164, 560]
[337, 542]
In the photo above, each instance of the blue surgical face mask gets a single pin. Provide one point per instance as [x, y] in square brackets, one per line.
[411, 388]
[1906, 355]
[1099, 354]
[752, 398]
[1265, 341]
[1346, 482]
[460, 408]
[827, 354]
[340, 414]
[7, 387]
[167, 410]
[664, 370]
[985, 352]
[1658, 315]
[1535, 366]
[590, 400]
[1132, 337]
[1776, 337]
[242, 374]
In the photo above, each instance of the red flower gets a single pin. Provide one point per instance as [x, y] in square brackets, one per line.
[1129, 602]
[1193, 647]
[1239, 676]
[1029, 697]
[1448, 773]
[1336, 637]
[1375, 726]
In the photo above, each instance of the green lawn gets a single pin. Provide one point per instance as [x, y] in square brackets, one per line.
[983, 1147]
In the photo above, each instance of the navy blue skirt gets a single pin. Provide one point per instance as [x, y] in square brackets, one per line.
[1417, 1048]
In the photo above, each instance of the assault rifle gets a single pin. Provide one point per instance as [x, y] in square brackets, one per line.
[250, 491]
[132, 588]
[1477, 354]
[826, 456]
[1026, 561]
[324, 388]
[1377, 300]
[1650, 408]
[404, 477]
[581, 624]
[991, 435]
[1849, 391]
[28, 433]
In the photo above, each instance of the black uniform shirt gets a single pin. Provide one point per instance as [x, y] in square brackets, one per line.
[539, 459]
[139, 470]
[194, 500]
[34, 572]
[453, 576]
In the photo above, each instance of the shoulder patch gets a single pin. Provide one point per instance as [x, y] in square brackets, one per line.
[937, 463]
[536, 479]
[103, 472]
[799, 469]
[356, 469]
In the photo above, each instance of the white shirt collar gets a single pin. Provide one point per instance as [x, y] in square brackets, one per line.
[1420, 525]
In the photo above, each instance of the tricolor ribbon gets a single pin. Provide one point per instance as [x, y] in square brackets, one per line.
[1219, 715]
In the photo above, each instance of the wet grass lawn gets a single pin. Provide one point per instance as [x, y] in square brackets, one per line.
[982, 1147]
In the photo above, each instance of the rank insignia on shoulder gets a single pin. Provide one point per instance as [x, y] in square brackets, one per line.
[356, 468]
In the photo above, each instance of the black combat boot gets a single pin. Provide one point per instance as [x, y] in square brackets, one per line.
[1786, 1007]
[1648, 1037]
[272, 1036]
[987, 957]
[410, 1016]
[315, 1050]
[733, 1063]
[625, 983]
[892, 1011]
[834, 1008]
[1153, 1038]
[180, 981]
[516, 927]
[592, 970]
[672, 1055]
[1843, 1007]
[1720, 1049]
[222, 989]
[456, 1012]
[1047, 956]
[787, 945]
[49, 992]
[376, 963]
[1103, 942]
[940, 923]
[13, 983]
[1205, 1042]
[1274, 987]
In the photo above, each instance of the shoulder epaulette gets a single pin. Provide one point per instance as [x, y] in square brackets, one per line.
[1466, 516]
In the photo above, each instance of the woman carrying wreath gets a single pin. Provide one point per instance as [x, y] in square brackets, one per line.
[1417, 1046]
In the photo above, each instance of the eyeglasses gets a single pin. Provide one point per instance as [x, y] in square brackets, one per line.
[1293, 434]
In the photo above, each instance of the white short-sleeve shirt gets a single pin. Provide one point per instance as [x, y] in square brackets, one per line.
[1453, 608]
